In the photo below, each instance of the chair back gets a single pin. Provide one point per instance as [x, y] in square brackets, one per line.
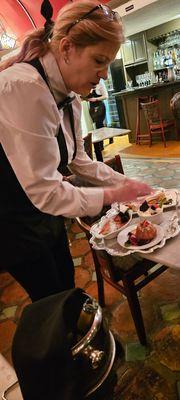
[86, 222]
[175, 106]
[88, 145]
[152, 112]
[116, 164]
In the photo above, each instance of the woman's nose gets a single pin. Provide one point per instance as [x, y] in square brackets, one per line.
[103, 73]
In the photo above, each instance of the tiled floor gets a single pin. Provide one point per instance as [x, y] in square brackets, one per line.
[156, 172]
[143, 374]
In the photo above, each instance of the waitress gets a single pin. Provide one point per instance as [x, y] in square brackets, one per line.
[97, 112]
[40, 134]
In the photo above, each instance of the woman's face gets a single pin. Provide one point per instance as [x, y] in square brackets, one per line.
[84, 67]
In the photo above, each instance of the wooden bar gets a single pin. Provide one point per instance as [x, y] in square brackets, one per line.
[162, 91]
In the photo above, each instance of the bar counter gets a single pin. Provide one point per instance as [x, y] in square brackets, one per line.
[127, 100]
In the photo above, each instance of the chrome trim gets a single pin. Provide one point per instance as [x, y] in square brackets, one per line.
[90, 335]
[113, 352]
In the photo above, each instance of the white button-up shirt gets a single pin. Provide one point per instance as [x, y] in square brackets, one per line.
[29, 124]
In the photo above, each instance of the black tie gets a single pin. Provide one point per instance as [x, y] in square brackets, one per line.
[65, 103]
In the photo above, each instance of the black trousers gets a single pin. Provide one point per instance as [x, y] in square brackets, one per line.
[50, 271]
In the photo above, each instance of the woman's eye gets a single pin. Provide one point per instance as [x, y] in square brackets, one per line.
[100, 62]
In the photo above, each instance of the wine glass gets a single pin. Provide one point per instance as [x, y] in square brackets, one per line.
[138, 80]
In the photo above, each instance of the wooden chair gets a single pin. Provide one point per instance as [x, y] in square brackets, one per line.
[88, 145]
[121, 272]
[116, 164]
[155, 123]
[141, 137]
[85, 224]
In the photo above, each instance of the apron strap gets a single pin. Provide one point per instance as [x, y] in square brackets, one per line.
[65, 104]
[71, 118]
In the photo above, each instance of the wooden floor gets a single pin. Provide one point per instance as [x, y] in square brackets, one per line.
[126, 149]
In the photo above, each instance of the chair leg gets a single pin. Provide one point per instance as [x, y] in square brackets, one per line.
[135, 309]
[138, 124]
[100, 281]
[163, 136]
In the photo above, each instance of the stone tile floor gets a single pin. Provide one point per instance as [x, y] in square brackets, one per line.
[156, 172]
[151, 373]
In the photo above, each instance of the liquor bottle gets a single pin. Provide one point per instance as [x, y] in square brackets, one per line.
[170, 59]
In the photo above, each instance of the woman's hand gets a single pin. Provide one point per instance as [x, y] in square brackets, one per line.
[93, 99]
[128, 190]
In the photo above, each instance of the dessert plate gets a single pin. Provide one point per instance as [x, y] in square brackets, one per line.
[123, 237]
[107, 221]
[169, 193]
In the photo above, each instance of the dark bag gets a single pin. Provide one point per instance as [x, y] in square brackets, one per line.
[97, 111]
[42, 345]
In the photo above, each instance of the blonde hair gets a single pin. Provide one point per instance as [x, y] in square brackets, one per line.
[96, 28]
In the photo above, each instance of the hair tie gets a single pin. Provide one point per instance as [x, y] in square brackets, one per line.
[47, 13]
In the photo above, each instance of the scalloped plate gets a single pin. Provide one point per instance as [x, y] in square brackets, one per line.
[96, 228]
[123, 237]
[169, 193]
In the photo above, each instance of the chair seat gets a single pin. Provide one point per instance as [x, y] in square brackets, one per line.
[157, 125]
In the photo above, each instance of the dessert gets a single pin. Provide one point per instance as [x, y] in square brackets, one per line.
[115, 223]
[147, 209]
[158, 200]
[143, 234]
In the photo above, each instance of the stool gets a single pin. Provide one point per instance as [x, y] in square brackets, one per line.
[141, 136]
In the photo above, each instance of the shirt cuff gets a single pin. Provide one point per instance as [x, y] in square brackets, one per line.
[94, 201]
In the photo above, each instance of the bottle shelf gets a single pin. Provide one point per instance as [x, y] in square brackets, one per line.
[160, 69]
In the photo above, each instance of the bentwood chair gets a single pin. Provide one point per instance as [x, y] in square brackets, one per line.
[155, 123]
[140, 136]
[121, 272]
[88, 145]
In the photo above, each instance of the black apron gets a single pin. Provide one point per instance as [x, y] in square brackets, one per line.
[24, 228]
[97, 109]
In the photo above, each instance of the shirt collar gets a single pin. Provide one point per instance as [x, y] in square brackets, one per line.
[54, 77]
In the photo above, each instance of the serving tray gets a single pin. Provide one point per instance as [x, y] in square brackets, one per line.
[169, 225]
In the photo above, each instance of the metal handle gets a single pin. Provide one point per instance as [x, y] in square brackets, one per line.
[94, 355]
[84, 342]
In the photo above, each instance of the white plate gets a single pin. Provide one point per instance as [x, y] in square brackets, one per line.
[169, 193]
[95, 229]
[123, 237]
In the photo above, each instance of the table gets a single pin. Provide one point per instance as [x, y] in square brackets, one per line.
[168, 255]
[133, 278]
[98, 135]
[107, 133]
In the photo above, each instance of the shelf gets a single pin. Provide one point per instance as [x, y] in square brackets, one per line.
[136, 64]
[160, 69]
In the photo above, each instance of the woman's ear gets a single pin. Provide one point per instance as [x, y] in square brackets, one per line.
[65, 49]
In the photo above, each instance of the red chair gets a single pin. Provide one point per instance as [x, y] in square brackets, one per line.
[155, 123]
[139, 135]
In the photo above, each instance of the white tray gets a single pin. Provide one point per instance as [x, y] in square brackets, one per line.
[171, 229]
